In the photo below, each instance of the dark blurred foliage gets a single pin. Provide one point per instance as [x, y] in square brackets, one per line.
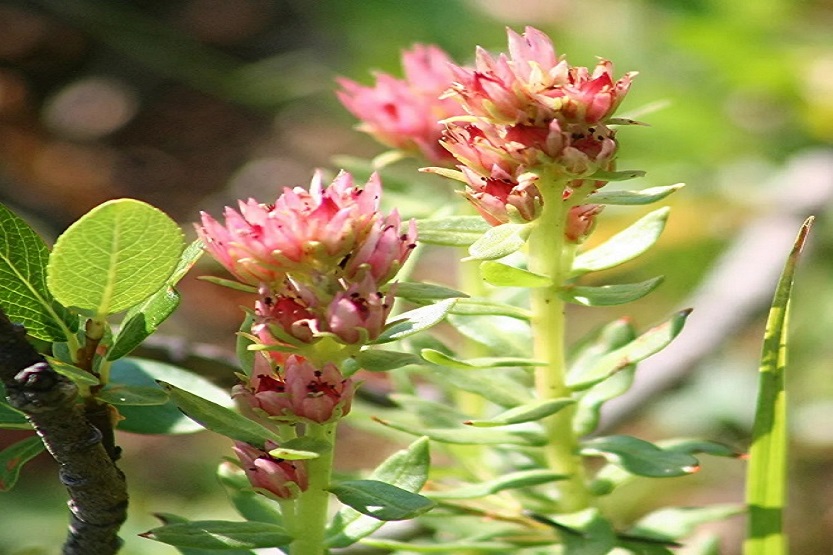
[190, 104]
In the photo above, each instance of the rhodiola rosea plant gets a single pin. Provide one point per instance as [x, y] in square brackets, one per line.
[507, 407]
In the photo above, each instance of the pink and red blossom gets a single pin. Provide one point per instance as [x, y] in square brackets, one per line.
[405, 113]
[282, 478]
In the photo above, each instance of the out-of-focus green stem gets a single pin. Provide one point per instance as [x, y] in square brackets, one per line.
[550, 255]
[311, 506]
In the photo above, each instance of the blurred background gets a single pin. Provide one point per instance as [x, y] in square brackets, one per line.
[191, 104]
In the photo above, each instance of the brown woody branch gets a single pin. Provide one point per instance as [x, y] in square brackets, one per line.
[96, 487]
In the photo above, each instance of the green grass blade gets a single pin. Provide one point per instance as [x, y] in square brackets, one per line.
[766, 476]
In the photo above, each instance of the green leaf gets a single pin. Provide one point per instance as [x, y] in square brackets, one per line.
[647, 344]
[220, 535]
[640, 457]
[24, 296]
[515, 480]
[166, 418]
[421, 292]
[472, 436]
[431, 413]
[10, 417]
[406, 469]
[230, 283]
[631, 198]
[499, 241]
[766, 476]
[498, 387]
[246, 356]
[454, 547]
[693, 446]
[502, 275]
[442, 359]
[13, 458]
[455, 231]
[624, 246]
[589, 533]
[218, 418]
[676, 523]
[623, 175]
[250, 505]
[143, 319]
[378, 360]
[530, 412]
[608, 295]
[483, 307]
[380, 500]
[77, 375]
[170, 518]
[114, 257]
[415, 321]
[500, 334]
[133, 395]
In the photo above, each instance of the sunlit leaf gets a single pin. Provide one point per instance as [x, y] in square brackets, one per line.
[530, 412]
[114, 257]
[380, 500]
[415, 321]
[472, 436]
[441, 359]
[640, 457]
[514, 480]
[499, 241]
[24, 296]
[502, 275]
[630, 198]
[608, 295]
[220, 535]
[457, 231]
[133, 395]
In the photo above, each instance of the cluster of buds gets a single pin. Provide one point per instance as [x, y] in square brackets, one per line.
[519, 116]
[321, 259]
[405, 114]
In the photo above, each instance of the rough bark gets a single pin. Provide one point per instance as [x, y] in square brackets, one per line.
[96, 487]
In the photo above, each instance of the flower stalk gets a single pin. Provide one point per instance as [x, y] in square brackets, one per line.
[551, 254]
[311, 507]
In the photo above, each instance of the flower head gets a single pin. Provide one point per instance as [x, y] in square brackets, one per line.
[358, 314]
[533, 85]
[299, 390]
[502, 197]
[404, 113]
[282, 478]
[308, 235]
[580, 221]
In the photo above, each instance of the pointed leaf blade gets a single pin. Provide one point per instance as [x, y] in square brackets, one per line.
[132, 395]
[13, 458]
[415, 321]
[455, 231]
[380, 500]
[530, 412]
[640, 457]
[515, 480]
[609, 295]
[624, 246]
[220, 535]
[499, 241]
[502, 275]
[633, 198]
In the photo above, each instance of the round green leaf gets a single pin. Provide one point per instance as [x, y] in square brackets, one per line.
[114, 257]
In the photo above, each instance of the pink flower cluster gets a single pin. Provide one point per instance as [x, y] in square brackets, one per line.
[281, 478]
[405, 113]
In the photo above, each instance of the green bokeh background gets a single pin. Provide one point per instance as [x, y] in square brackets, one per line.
[206, 101]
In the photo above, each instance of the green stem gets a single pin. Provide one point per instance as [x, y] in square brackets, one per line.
[311, 506]
[549, 254]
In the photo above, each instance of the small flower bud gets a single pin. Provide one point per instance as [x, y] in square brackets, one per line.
[282, 478]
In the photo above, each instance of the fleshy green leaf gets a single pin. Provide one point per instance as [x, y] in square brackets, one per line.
[693, 446]
[640, 457]
[250, 505]
[406, 469]
[114, 257]
[230, 283]
[10, 417]
[13, 458]
[766, 477]
[414, 321]
[77, 375]
[421, 292]
[676, 523]
[530, 412]
[166, 418]
[441, 359]
[515, 480]
[624, 246]
[472, 436]
[246, 356]
[502, 275]
[133, 395]
[623, 175]
[609, 295]
[501, 334]
[647, 344]
[499, 241]
[453, 547]
[380, 500]
[455, 231]
[432, 413]
[378, 360]
[586, 532]
[632, 198]
[143, 319]
[220, 535]
[483, 307]
[23, 292]
[170, 518]
[498, 387]
[218, 418]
